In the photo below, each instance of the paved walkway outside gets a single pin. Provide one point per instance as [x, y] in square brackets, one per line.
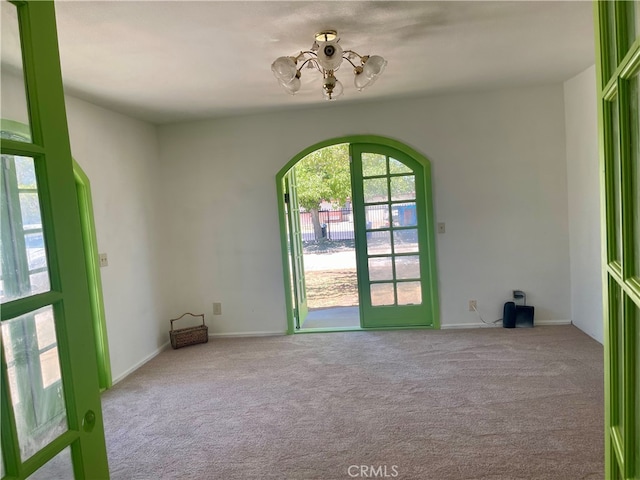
[329, 261]
[333, 317]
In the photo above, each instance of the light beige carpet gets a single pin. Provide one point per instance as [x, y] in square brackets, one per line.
[457, 404]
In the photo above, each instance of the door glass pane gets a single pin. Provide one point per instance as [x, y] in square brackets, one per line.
[617, 474]
[14, 98]
[614, 167]
[620, 353]
[404, 215]
[23, 269]
[378, 243]
[611, 54]
[405, 241]
[396, 166]
[375, 190]
[59, 467]
[409, 293]
[403, 188]
[35, 250]
[634, 118]
[33, 368]
[407, 267]
[637, 394]
[616, 339]
[382, 294]
[373, 164]
[377, 216]
[630, 29]
[29, 206]
[380, 268]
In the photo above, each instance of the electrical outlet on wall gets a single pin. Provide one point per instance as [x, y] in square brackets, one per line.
[217, 308]
[473, 304]
[104, 262]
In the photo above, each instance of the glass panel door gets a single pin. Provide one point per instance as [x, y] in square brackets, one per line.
[618, 65]
[51, 418]
[391, 236]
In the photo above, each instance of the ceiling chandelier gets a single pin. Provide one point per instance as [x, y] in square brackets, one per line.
[326, 56]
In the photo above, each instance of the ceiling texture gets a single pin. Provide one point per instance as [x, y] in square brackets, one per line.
[172, 61]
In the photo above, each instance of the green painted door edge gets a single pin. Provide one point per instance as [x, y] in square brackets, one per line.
[83, 186]
[600, 68]
[288, 281]
[431, 244]
[92, 258]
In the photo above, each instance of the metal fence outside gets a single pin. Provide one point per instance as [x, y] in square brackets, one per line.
[336, 225]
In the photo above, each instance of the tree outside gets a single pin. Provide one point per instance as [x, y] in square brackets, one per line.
[323, 175]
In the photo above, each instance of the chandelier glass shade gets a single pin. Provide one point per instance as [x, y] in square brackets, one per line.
[326, 56]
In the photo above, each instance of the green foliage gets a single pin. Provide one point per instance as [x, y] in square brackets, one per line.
[324, 175]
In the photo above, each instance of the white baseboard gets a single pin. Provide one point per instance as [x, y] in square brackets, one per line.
[247, 334]
[552, 322]
[499, 324]
[469, 325]
[140, 363]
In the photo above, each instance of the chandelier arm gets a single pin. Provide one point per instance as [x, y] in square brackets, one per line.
[361, 57]
[303, 53]
[348, 60]
[298, 57]
[314, 61]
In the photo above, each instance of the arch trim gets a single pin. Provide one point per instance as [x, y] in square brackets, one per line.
[430, 221]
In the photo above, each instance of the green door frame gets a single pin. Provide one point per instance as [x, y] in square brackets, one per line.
[295, 244]
[429, 254]
[92, 257]
[617, 27]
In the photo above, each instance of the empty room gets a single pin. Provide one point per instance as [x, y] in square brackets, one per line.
[320, 240]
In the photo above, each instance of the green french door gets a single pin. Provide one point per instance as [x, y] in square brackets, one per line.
[51, 419]
[618, 78]
[391, 222]
[394, 234]
[295, 246]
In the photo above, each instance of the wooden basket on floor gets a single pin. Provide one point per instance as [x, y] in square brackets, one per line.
[183, 337]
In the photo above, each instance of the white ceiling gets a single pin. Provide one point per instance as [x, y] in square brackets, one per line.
[168, 61]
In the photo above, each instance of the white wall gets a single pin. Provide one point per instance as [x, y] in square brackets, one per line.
[499, 184]
[583, 181]
[119, 155]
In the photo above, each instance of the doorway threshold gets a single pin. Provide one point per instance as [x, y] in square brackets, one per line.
[361, 329]
[329, 329]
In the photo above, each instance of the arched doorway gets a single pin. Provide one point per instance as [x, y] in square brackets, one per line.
[393, 229]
